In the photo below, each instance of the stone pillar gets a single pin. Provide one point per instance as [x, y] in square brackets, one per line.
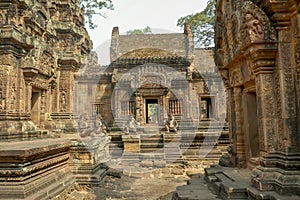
[28, 97]
[66, 88]
[64, 119]
[238, 128]
[138, 107]
[266, 112]
[43, 108]
[297, 58]
[286, 70]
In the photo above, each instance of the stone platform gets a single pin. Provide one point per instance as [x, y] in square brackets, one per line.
[183, 146]
[34, 169]
[225, 183]
[43, 168]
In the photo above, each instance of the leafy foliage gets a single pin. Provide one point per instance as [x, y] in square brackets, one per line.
[146, 30]
[94, 7]
[202, 24]
[152, 109]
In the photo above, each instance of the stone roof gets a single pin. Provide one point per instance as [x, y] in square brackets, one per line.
[204, 60]
[153, 55]
[147, 53]
[174, 42]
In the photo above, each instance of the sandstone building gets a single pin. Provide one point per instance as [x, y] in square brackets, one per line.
[42, 46]
[257, 54]
[163, 71]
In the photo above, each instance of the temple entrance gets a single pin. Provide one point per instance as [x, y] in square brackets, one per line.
[35, 106]
[251, 126]
[205, 108]
[152, 111]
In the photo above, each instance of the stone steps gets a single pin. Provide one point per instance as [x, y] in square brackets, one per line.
[187, 144]
[116, 145]
[195, 189]
[151, 143]
[224, 183]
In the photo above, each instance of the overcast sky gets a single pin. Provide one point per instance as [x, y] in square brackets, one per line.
[160, 15]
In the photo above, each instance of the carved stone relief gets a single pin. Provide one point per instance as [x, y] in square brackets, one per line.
[256, 25]
[236, 77]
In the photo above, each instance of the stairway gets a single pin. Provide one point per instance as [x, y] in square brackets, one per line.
[151, 143]
[224, 183]
[196, 188]
[209, 142]
[116, 145]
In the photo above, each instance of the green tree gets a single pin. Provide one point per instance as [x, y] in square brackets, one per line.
[146, 30]
[94, 7]
[202, 24]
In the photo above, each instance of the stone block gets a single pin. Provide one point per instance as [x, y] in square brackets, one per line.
[146, 163]
[159, 163]
[131, 143]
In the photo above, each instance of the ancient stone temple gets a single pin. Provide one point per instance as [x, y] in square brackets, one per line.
[257, 54]
[151, 77]
[258, 57]
[42, 46]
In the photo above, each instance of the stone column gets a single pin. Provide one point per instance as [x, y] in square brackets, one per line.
[266, 112]
[43, 108]
[297, 58]
[238, 127]
[28, 97]
[286, 70]
[138, 106]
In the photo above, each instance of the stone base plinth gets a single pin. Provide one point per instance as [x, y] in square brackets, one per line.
[34, 169]
[17, 130]
[172, 147]
[278, 171]
[63, 123]
[88, 158]
[131, 143]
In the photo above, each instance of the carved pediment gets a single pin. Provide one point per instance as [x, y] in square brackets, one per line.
[244, 30]
[256, 24]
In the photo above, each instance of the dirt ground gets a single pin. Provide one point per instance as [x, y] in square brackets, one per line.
[130, 188]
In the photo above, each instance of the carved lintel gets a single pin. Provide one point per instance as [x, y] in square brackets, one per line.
[263, 57]
[30, 74]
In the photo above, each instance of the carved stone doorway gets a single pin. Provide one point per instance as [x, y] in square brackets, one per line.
[35, 106]
[205, 108]
[251, 126]
[152, 111]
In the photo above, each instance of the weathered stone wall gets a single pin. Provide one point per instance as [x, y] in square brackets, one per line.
[256, 53]
[204, 60]
[43, 44]
[40, 52]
